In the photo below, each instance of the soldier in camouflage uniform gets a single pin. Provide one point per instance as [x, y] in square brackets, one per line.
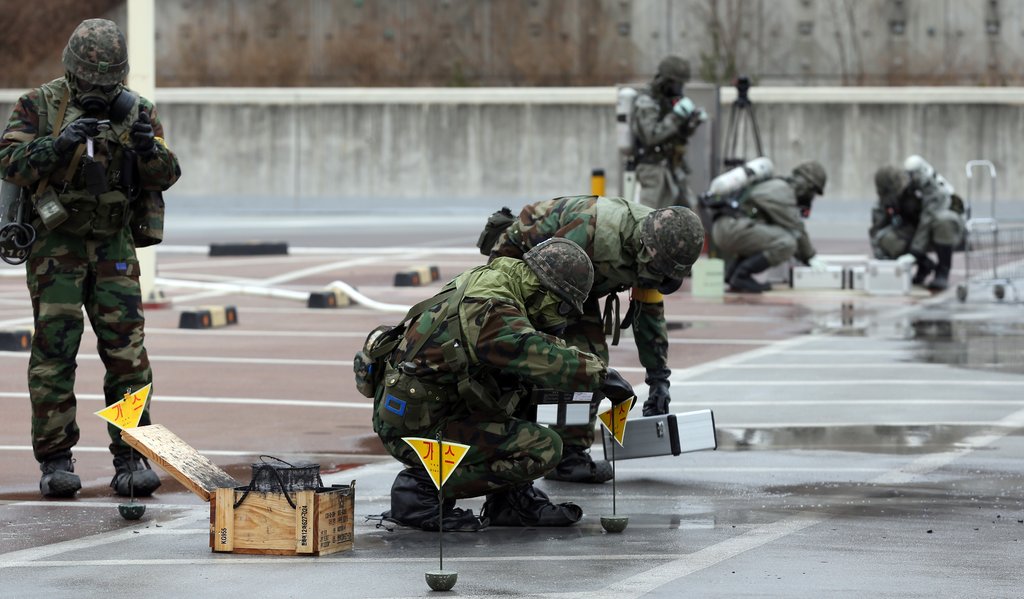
[916, 215]
[663, 120]
[85, 255]
[767, 227]
[464, 368]
[632, 247]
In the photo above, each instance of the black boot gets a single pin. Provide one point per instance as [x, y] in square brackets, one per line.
[133, 476]
[59, 478]
[742, 280]
[526, 505]
[658, 397]
[944, 255]
[924, 268]
[577, 466]
[414, 504]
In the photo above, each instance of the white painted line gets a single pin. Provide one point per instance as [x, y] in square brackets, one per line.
[209, 360]
[18, 558]
[969, 382]
[224, 400]
[354, 457]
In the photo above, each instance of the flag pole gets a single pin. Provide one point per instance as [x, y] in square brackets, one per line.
[440, 502]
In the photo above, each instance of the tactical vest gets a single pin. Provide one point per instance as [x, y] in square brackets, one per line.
[97, 216]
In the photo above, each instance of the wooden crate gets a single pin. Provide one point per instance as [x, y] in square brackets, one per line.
[265, 523]
[321, 521]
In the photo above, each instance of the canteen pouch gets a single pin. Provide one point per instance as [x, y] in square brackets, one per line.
[496, 224]
[50, 209]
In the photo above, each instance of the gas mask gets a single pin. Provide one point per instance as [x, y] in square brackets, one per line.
[670, 88]
[548, 312]
[804, 193]
[650, 277]
[94, 99]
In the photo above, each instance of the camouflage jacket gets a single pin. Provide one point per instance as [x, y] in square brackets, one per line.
[660, 133]
[27, 154]
[500, 341]
[606, 228]
[773, 202]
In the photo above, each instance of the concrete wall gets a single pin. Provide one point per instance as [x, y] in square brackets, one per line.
[351, 149]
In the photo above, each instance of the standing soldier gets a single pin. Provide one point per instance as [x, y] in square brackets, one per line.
[764, 227]
[917, 212]
[463, 367]
[663, 121]
[632, 247]
[86, 148]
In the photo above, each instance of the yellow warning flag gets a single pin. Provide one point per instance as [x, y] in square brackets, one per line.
[621, 413]
[429, 454]
[127, 412]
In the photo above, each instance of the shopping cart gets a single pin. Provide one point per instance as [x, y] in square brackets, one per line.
[993, 249]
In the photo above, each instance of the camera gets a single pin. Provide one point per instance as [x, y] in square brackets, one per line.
[742, 87]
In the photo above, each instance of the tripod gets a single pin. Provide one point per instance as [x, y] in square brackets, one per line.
[741, 118]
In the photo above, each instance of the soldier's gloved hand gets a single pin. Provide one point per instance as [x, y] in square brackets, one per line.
[657, 398]
[906, 259]
[684, 107]
[616, 388]
[142, 136]
[74, 134]
[817, 264]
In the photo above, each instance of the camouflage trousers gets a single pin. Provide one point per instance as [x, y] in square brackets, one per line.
[65, 274]
[589, 334]
[503, 452]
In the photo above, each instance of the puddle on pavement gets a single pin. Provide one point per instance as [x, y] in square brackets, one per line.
[995, 344]
[865, 439]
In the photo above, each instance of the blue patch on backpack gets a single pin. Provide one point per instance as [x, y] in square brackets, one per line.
[121, 266]
[394, 405]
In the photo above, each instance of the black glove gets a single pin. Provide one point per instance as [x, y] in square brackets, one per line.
[75, 133]
[142, 136]
[657, 398]
[616, 388]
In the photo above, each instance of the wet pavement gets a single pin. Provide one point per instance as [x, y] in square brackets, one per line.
[868, 446]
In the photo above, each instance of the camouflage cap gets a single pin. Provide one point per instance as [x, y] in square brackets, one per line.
[890, 182]
[674, 67]
[812, 172]
[674, 238]
[563, 269]
[97, 53]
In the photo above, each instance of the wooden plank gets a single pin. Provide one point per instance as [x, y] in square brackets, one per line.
[179, 459]
[335, 520]
[264, 521]
[305, 522]
[224, 521]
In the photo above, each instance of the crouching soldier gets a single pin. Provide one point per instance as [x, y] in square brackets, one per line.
[463, 366]
[632, 247]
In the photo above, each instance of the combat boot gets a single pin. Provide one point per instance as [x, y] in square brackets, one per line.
[944, 255]
[414, 504]
[59, 478]
[925, 266]
[577, 466]
[133, 476]
[526, 505]
[742, 280]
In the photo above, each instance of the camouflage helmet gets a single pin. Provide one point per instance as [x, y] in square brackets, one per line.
[563, 269]
[812, 172]
[674, 238]
[96, 53]
[675, 68]
[890, 182]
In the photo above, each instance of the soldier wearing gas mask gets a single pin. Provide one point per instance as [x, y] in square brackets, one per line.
[633, 248]
[766, 226]
[86, 149]
[663, 121]
[917, 213]
[463, 366]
